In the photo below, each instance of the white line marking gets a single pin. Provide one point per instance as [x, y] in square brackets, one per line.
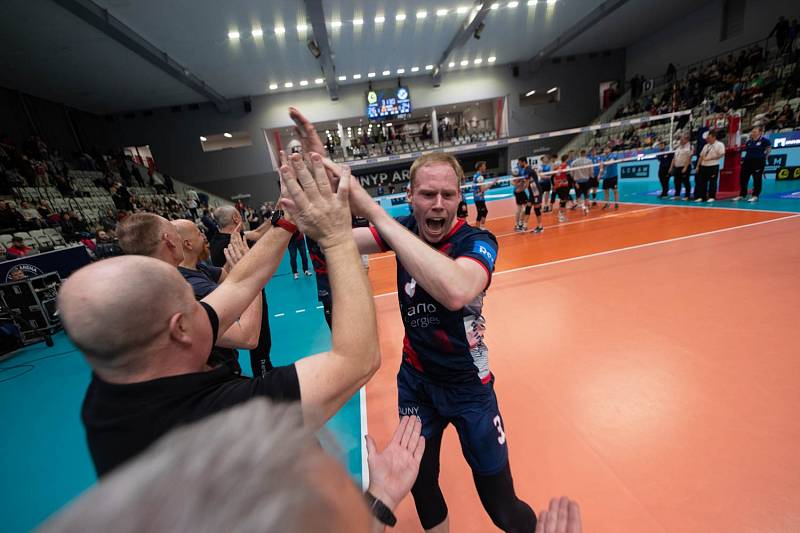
[278, 315]
[362, 404]
[716, 205]
[299, 310]
[627, 248]
[320, 306]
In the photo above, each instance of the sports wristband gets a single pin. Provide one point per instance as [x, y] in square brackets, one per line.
[380, 511]
[286, 225]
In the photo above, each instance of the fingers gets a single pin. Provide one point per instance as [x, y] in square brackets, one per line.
[293, 189]
[541, 521]
[304, 176]
[420, 450]
[400, 431]
[320, 176]
[303, 124]
[563, 506]
[416, 430]
[282, 157]
[371, 448]
[574, 518]
[345, 184]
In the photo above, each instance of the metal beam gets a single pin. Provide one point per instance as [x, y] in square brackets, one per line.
[465, 31]
[583, 25]
[104, 21]
[316, 15]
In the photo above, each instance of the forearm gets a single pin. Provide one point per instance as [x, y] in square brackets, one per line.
[441, 277]
[256, 234]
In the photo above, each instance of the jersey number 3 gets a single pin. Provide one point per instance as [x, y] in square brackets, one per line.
[501, 436]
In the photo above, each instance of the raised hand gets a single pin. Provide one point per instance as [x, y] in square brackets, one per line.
[310, 201]
[563, 516]
[393, 471]
[305, 130]
[236, 249]
[361, 203]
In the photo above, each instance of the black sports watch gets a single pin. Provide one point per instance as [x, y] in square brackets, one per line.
[380, 511]
[278, 221]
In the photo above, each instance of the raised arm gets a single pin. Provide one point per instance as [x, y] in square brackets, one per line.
[329, 379]
[244, 332]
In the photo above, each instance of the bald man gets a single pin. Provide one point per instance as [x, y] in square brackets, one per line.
[147, 338]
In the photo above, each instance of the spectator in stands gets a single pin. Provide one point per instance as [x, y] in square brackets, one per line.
[106, 246]
[33, 219]
[781, 33]
[18, 248]
[210, 224]
[707, 169]
[679, 167]
[9, 218]
[149, 360]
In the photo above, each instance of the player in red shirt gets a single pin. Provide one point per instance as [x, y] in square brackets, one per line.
[561, 186]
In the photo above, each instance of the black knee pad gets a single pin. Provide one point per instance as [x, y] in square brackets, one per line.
[537, 210]
[497, 495]
[528, 209]
[562, 203]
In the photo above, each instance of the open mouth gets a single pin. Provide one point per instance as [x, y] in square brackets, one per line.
[435, 224]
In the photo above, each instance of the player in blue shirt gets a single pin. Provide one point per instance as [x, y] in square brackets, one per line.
[594, 181]
[545, 182]
[444, 267]
[609, 171]
[754, 160]
[479, 188]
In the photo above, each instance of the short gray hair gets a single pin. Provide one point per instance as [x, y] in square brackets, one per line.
[248, 468]
[224, 215]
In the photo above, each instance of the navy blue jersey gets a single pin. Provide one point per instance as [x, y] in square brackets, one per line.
[757, 150]
[203, 280]
[442, 344]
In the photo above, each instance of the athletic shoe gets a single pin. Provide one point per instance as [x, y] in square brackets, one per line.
[574, 206]
[685, 198]
[594, 204]
[710, 201]
[537, 229]
[524, 228]
[752, 199]
[296, 275]
[516, 227]
[561, 217]
[606, 206]
[698, 200]
[616, 206]
[308, 272]
[674, 197]
[736, 199]
[585, 210]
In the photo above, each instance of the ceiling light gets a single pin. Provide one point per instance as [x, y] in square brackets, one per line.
[386, 72]
[358, 22]
[464, 63]
[233, 35]
[414, 69]
[342, 78]
[319, 81]
[496, 5]
[462, 9]
[530, 92]
[303, 83]
[388, 124]
[257, 32]
[531, 2]
[513, 4]
[551, 1]
[422, 14]
[227, 135]
[302, 27]
[336, 24]
[441, 12]
[356, 76]
[371, 75]
[280, 30]
[492, 59]
[428, 67]
[401, 71]
[380, 19]
[288, 85]
[203, 139]
[400, 17]
[478, 61]
[451, 64]
[552, 90]
[273, 86]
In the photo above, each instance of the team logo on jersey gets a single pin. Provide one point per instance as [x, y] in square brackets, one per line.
[411, 288]
[483, 248]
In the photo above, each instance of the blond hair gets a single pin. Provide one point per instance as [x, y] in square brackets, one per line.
[436, 158]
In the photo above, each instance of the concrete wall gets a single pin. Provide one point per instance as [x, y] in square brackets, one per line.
[696, 36]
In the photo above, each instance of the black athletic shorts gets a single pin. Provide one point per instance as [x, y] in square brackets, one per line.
[545, 184]
[582, 188]
[462, 212]
[594, 182]
[533, 195]
[520, 198]
[609, 183]
[563, 193]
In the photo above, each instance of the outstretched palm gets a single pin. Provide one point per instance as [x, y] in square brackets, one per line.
[393, 471]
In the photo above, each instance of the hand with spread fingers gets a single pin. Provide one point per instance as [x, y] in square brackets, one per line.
[393, 471]
[563, 516]
[307, 133]
[236, 249]
[310, 201]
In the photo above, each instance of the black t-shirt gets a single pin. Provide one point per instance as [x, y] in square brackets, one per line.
[217, 244]
[123, 420]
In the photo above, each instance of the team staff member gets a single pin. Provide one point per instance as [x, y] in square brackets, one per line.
[755, 159]
[707, 169]
[147, 339]
[478, 191]
[609, 171]
[664, 166]
[230, 220]
[679, 167]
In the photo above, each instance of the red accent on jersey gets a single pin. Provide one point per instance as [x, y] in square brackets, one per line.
[410, 355]
[441, 336]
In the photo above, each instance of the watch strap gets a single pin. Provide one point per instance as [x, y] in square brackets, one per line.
[286, 225]
[380, 511]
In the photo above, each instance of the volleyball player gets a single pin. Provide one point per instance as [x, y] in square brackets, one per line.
[561, 186]
[533, 195]
[609, 171]
[594, 182]
[478, 191]
[520, 199]
[582, 174]
[545, 183]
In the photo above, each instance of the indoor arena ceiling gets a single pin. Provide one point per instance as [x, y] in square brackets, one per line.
[50, 52]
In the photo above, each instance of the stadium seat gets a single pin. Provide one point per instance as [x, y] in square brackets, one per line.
[5, 240]
[27, 239]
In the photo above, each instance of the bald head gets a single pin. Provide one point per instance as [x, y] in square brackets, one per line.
[115, 310]
[193, 241]
[226, 216]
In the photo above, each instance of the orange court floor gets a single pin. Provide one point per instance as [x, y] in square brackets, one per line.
[647, 365]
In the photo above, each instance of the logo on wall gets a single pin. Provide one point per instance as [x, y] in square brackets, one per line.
[635, 171]
[22, 271]
[774, 162]
[372, 97]
[788, 173]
